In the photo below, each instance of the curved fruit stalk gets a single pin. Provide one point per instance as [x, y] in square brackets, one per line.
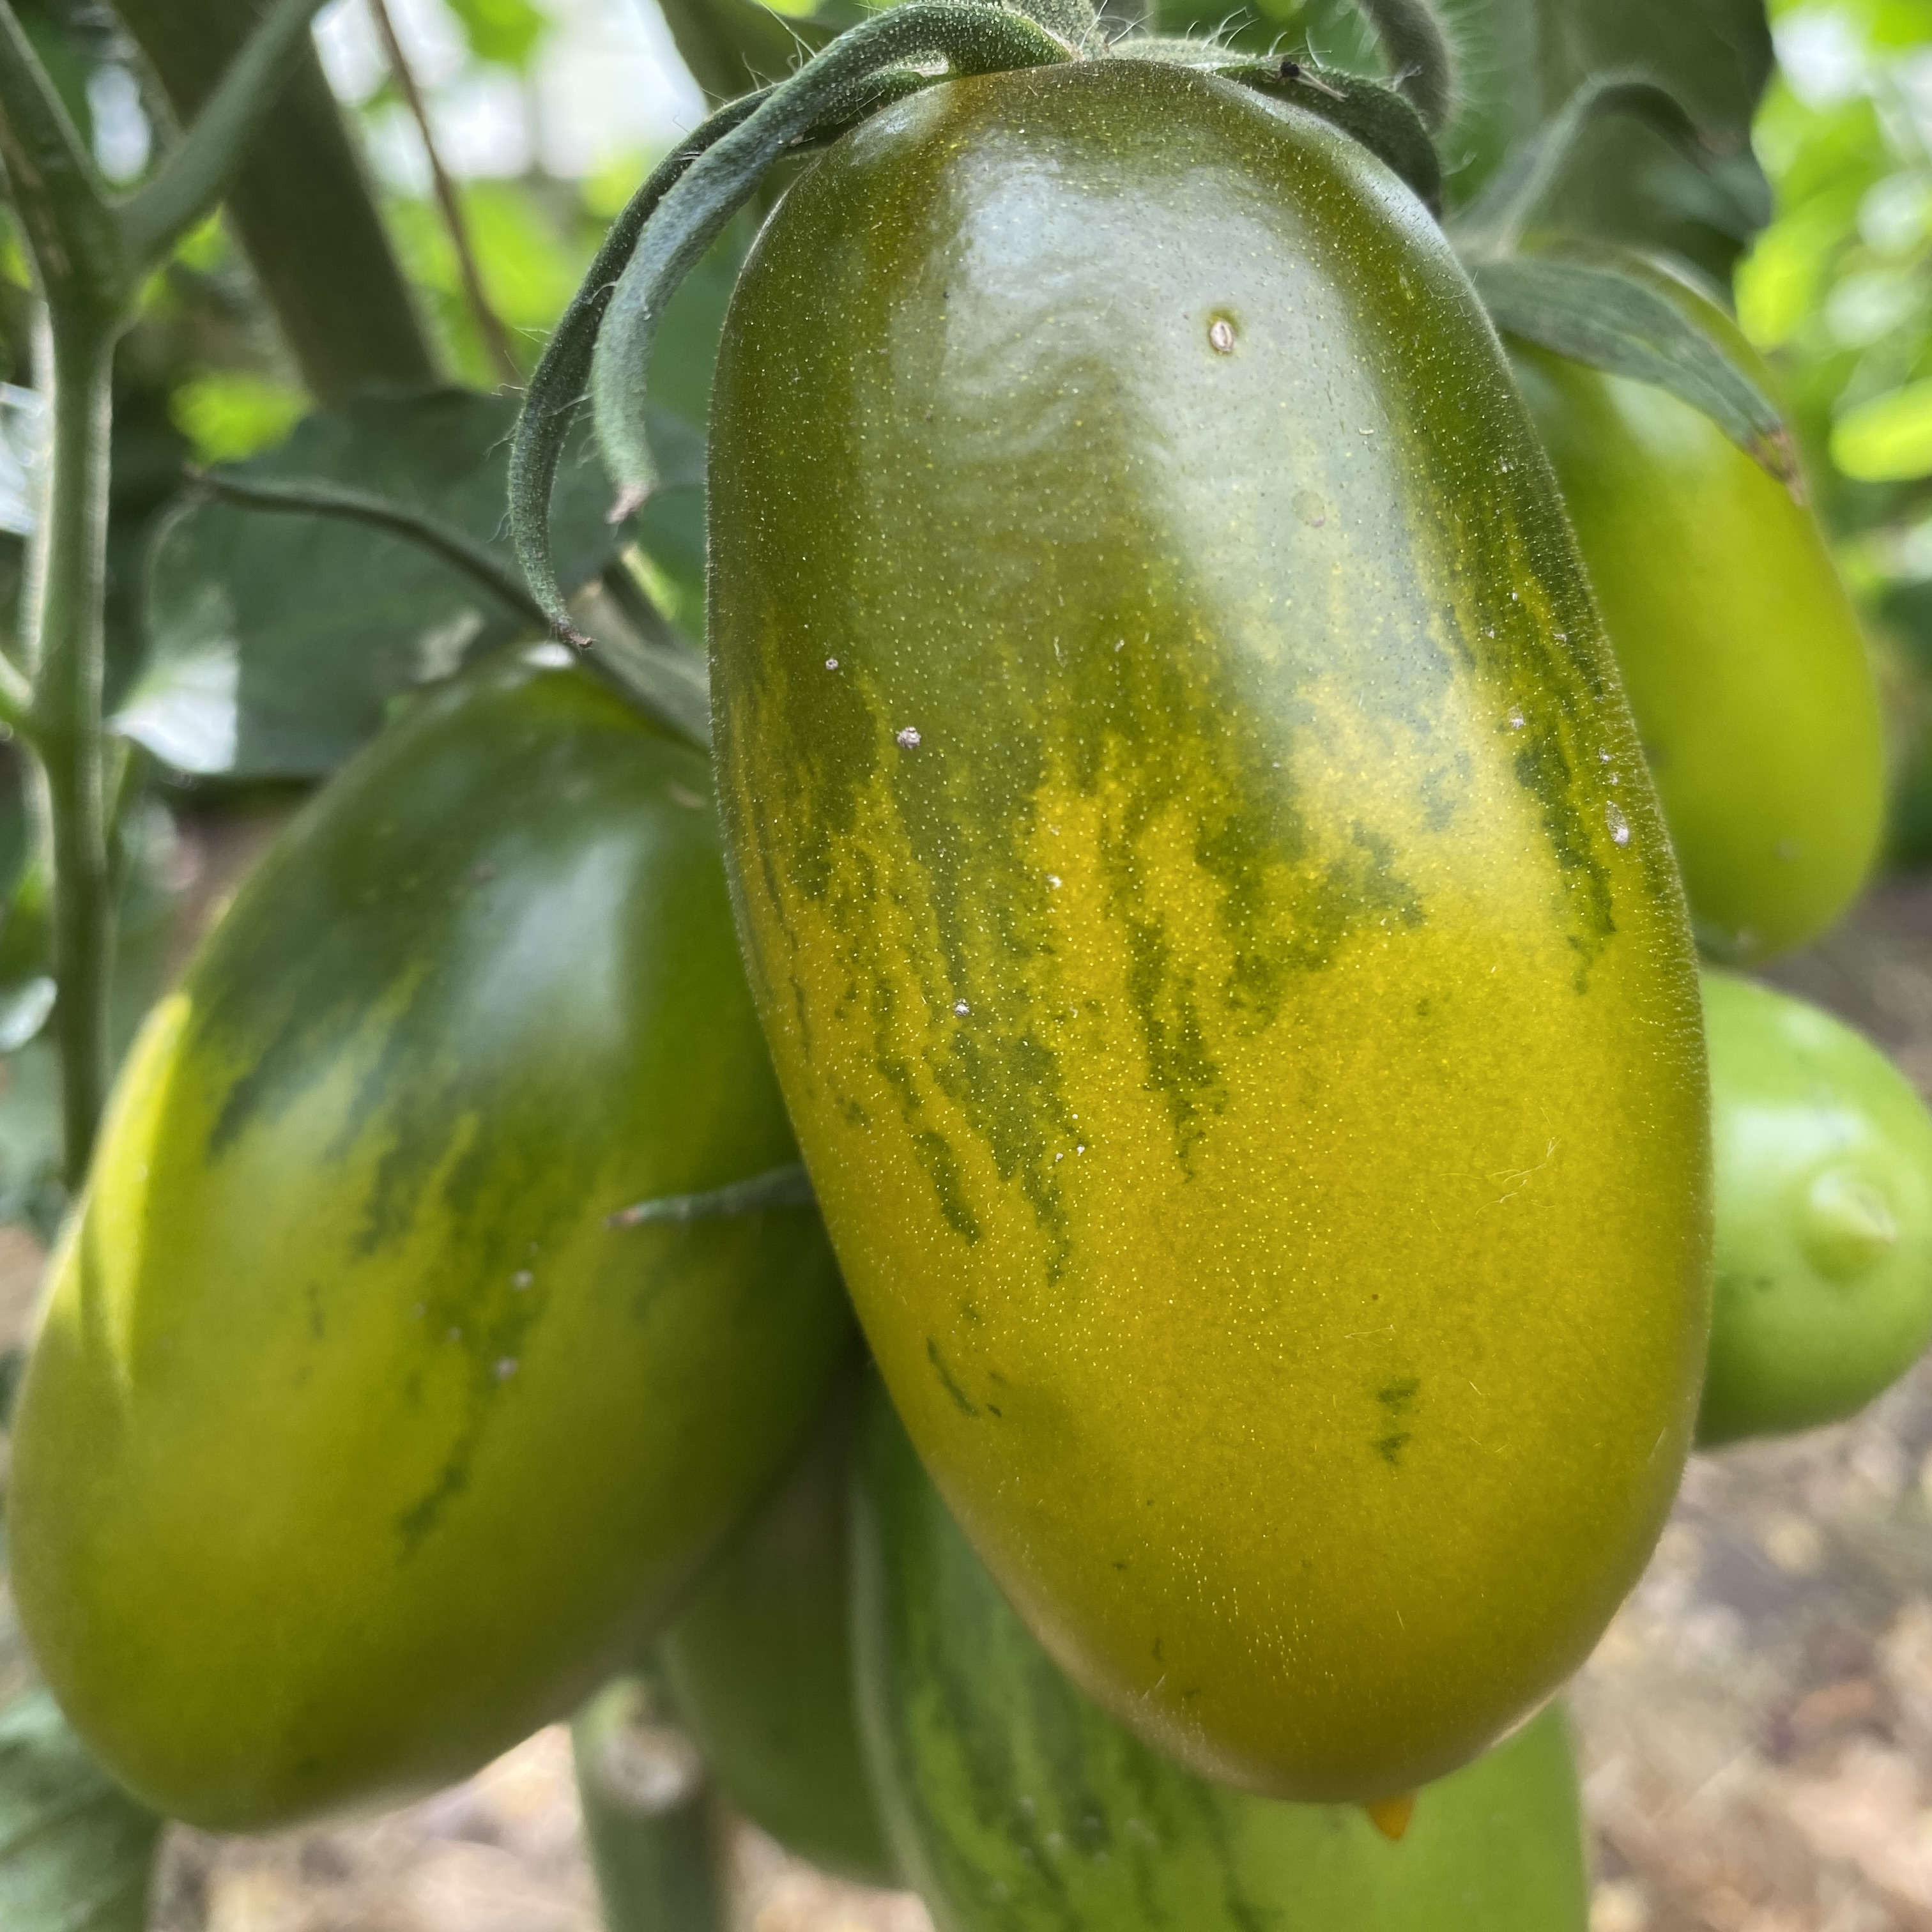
[1014, 1804]
[356, 1442]
[1823, 1162]
[1193, 856]
[1738, 647]
[760, 1664]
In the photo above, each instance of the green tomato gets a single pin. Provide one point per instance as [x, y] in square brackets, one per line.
[356, 1441]
[1017, 1805]
[760, 1664]
[1739, 649]
[1192, 855]
[1823, 1155]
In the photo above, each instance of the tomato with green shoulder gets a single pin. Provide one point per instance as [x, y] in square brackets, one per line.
[1737, 644]
[1191, 851]
[357, 1440]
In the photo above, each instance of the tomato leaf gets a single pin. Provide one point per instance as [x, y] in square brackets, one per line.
[276, 641]
[1612, 322]
[76, 1851]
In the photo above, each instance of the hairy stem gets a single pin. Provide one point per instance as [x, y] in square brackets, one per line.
[318, 496]
[1422, 63]
[67, 583]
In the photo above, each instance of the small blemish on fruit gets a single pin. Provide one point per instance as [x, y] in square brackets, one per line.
[1221, 336]
[831, 663]
[522, 1279]
[907, 737]
[965, 1403]
[506, 1368]
[1517, 719]
[1310, 508]
[1619, 825]
[960, 1007]
[1396, 1397]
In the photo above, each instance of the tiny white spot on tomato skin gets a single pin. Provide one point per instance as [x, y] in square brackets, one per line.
[831, 663]
[1517, 719]
[505, 1368]
[1053, 879]
[1221, 336]
[1620, 831]
[906, 738]
[522, 1280]
[960, 1007]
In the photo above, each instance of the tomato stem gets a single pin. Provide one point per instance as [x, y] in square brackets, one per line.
[90, 254]
[66, 585]
[654, 1827]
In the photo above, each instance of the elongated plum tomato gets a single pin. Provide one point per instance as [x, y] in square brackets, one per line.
[1738, 645]
[1823, 1155]
[1211, 917]
[1016, 1806]
[354, 1443]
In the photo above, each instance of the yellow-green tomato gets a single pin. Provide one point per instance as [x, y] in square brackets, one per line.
[356, 1442]
[1203, 892]
[1823, 1158]
[1738, 645]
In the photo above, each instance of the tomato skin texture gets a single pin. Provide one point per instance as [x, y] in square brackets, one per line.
[1738, 645]
[1018, 1806]
[1192, 856]
[1823, 1160]
[355, 1444]
[760, 1664]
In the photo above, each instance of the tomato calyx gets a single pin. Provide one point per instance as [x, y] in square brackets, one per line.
[603, 342]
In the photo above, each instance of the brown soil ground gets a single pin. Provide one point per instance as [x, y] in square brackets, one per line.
[1756, 1726]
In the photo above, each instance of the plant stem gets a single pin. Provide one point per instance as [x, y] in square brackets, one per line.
[66, 586]
[302, 206]
[496, 337]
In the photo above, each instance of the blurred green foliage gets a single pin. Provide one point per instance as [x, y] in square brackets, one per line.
[1839, 290]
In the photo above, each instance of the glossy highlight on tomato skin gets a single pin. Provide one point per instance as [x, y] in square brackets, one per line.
[1192, 854]
[1735, 638]
[356, 1443]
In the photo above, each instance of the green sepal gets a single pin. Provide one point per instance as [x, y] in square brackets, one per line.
[1421, 59]
[558, 385]
[1383, 120]
[969, 37]
[1612, 322]
[777, 1187]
